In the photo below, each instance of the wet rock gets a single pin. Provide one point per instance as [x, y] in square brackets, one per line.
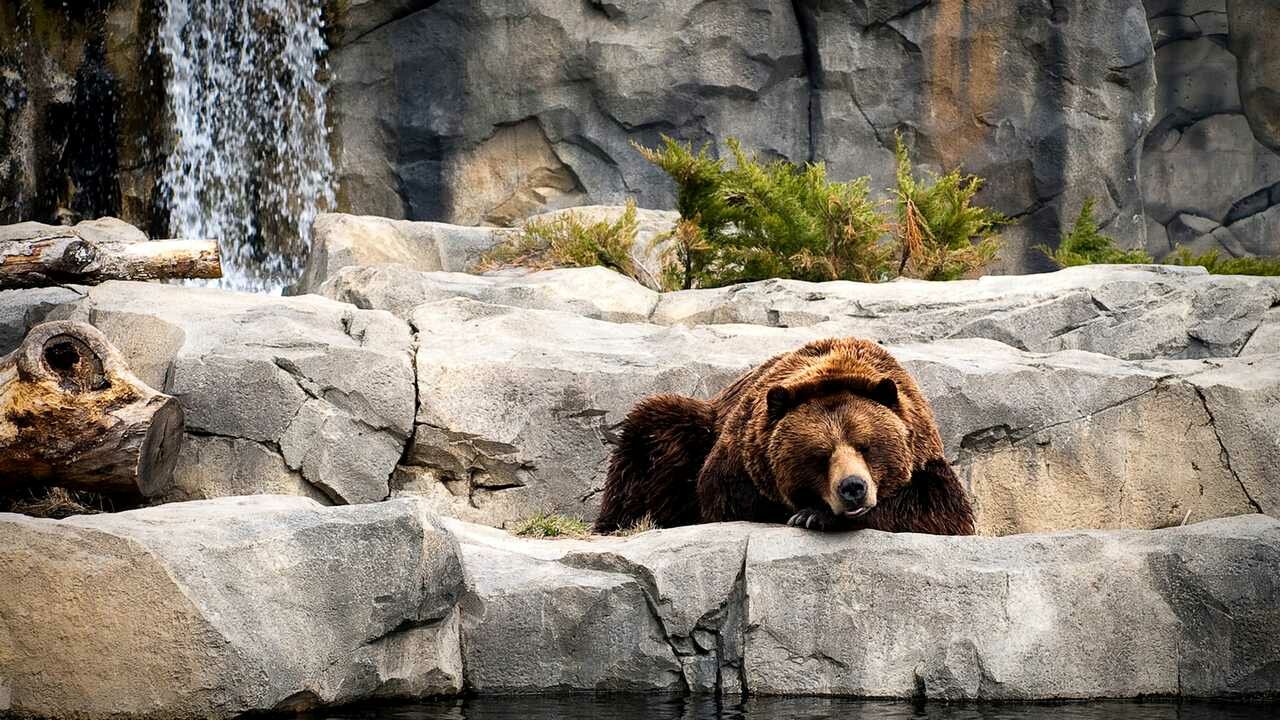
[223, 607]
[1176, 612]
[321, 387]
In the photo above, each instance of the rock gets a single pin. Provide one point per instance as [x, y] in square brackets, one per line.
[224, 607]
[543, 118]
[1259, 234]
[1178, 612]
[347, 240]
[302, 391]
[1129, 312]
[1255, 35]
[660, 611]
[21, 310]
[1197, 79]
[1230, 165]
[517, 406]
[593, 292]
[1201, 235]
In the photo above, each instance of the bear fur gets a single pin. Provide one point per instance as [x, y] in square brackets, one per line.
[780, 443]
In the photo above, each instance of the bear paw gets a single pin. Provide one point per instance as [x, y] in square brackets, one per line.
[811, 519]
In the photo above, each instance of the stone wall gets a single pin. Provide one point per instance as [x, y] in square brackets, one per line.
[1167, 112]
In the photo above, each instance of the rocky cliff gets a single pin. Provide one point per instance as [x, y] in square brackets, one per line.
[1165, 112]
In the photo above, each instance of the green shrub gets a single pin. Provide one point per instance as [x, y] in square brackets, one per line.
[1084, 245]
[761, 220]
[940, 233]
[545, 525]
[1218, 265]
[569, 241]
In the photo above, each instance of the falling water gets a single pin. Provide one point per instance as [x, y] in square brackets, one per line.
[251, 163]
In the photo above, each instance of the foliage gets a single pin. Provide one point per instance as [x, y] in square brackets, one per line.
[568, 240]
[1084, 245]
[760, 220]
[941, 234]
[547, 525]
[1218, 265]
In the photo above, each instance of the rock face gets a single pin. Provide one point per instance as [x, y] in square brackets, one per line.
[1213, 152]
[276, 604]
[222, 607]
[1114, 397]
[1180, 612]
[802, 81]
[290, 395]
[1016, 618]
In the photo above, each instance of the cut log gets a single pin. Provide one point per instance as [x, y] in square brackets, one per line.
[72, 414]
[56, 256]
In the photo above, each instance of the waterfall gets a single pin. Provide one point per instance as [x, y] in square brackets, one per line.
[250, 166]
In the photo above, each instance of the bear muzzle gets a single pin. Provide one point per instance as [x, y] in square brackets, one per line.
[854, 490]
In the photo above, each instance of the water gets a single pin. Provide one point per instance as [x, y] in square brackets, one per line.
[251, 165]
[589, 707]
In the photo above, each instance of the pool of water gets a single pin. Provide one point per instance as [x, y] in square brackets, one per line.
[590, 707]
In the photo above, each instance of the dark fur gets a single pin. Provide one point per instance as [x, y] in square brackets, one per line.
[754, 451]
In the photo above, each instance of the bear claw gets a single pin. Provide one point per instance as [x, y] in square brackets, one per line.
[812, 519]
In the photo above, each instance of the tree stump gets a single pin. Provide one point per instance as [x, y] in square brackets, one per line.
[72, 414]
[56, 256]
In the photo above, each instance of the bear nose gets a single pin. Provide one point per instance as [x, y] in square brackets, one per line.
[853, 490]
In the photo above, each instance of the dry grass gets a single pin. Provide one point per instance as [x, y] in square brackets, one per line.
[550, 525]
[56, 503]
[643, 525]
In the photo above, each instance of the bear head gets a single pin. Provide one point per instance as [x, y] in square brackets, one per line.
[838, 441]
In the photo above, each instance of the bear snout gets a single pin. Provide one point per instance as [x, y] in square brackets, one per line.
[853, 491]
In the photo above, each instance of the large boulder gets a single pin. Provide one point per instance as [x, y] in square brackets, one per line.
[293, 395]
[218, 608]
[517, 407]
[1183, 612]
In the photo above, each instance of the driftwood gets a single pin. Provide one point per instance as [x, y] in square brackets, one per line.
[72, 414]
[65, 256]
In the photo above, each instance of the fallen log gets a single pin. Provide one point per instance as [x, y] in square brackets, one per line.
[55, 256]
[72, 414]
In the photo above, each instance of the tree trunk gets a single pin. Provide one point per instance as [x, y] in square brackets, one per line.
[53, 258]
[72, 414]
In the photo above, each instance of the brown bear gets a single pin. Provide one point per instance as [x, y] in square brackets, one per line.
[832, 436]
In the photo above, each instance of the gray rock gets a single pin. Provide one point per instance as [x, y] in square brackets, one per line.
[21, 310]
[1179, 612]
[1129, 312]
[321, 386]
[1255, 40]
[1197, 79]
[345, 240]
[517, 407]
[593, 292]
[660, 611]
[1229, 165]
[223, 607]
[831, 82]
[1259, 234]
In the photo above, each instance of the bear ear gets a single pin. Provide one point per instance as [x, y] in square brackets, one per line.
[885, 392]
[778, 401]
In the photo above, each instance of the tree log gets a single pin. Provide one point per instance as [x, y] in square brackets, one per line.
[59, 256]
[72, 414]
